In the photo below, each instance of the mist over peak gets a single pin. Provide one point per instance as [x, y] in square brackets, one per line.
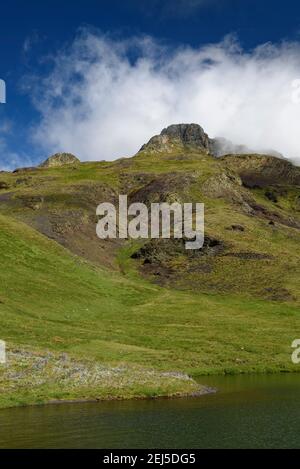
[194, 136]
[99, 103]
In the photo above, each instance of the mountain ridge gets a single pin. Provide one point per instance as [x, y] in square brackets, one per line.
[141, 305]
[194, 136]
[259, 192]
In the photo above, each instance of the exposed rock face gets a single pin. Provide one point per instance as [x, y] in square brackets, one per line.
[191, 135]
[225, 185]
[60, 159]
[168, 188]
[263, 170]
[188, 134]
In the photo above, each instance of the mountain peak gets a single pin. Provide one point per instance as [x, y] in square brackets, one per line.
[59, 159]
[188, 134]
[191, 135]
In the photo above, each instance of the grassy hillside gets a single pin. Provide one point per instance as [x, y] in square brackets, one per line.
[231, 308]
[52, 303]
[256, 228]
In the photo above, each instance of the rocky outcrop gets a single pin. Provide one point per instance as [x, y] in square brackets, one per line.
[179, 135]
[60, 159]
[263, 170]
[193, 136]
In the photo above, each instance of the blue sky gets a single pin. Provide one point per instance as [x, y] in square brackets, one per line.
[41, 43]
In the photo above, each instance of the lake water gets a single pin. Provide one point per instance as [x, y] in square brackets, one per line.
[248, 411]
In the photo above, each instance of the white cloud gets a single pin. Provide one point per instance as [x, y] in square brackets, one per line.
[104, 98]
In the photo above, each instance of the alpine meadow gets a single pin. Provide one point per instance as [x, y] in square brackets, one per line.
[90, 319]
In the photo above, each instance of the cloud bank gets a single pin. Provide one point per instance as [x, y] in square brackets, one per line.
[104, 98]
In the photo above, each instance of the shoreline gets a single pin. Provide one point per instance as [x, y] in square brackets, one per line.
[203, 391]
[35, 378]
[32, 377]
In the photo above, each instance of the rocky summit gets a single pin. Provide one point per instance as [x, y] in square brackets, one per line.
[60, 159]
[192, 136]
[186, 135]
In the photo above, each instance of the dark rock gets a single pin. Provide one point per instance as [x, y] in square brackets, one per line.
[161, 251]
[188, 134]
[271, 196]
[3, 185]
[185, 135]
[236, 228]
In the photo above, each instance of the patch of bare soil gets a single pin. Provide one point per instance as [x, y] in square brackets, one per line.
[171, 187]
[272, 216]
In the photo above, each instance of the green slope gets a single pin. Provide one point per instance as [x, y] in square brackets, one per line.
[262, 261]
[50, 300]
[62, 290]
[51, 303]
